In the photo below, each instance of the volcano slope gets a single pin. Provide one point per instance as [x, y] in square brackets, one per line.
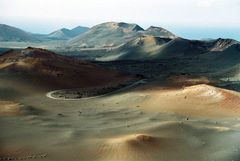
[47, 71]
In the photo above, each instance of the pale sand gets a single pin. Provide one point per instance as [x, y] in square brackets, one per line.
[197, 123]
[199, 100]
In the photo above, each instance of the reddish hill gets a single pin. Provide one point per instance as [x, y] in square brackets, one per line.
[47, 69]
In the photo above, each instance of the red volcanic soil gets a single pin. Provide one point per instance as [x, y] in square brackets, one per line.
[46, 69]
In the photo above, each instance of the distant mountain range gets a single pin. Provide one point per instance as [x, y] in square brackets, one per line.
[108, 34]
[9, 33]
[123, 41]
[13, 34]
[65, 34]
[112, 34]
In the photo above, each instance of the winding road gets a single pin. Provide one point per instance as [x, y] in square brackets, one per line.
[50, 94]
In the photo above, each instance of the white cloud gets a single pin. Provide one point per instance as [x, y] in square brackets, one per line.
[205, 3]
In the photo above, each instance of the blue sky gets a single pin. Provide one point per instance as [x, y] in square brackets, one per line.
[193, 19]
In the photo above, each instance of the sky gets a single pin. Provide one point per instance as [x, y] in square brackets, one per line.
[195, 19]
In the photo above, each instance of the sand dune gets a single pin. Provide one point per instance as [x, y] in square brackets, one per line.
[193, 101]
[198, 100]
[134, 147]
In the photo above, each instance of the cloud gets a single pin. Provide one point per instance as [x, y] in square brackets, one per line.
[205, 3]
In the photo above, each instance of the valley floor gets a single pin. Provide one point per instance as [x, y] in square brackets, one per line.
[148, 122]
